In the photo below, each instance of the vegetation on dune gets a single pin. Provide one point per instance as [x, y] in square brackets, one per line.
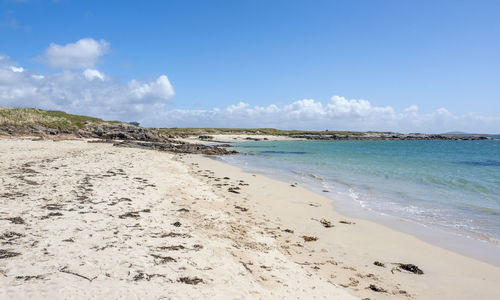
[19, 117]
[24, 117]
[253, 131]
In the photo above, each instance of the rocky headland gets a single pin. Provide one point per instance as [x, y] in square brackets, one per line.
[44, 125]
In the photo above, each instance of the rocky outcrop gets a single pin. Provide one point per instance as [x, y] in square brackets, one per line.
[122, 131]
[176, 147]
[111, 131]
[121, 135]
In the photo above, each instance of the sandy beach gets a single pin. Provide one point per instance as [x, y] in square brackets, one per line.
[232, 138]
[88, 220]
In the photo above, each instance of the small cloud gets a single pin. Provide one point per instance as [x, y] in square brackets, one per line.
[37, 77]
[442, 111]
[411, 109]
[92, 74]
[85, 53]
[17, 69]
[161, 88]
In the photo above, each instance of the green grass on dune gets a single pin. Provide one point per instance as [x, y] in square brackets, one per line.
[253, 131]
[19, 117]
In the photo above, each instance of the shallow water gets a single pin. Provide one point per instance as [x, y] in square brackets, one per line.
[450, 184]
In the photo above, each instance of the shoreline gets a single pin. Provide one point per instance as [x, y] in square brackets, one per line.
[384, 243]
[90, 219]
[471, 246]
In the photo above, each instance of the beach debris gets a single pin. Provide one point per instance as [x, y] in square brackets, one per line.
[131, 214]
[309, 238]
[346, 222]
[177, 224]
[134, 214]
[241, 208]
[233, 190]
[379, 264]
[10, 236]
[123, 199]
[410, 268]
[376, 289]
[15, 220]
[245, 265]
[8, 254]
[172, 248]
[70, 240]
[292, 185]
[170, 234]
[352, 282]
[189, 280]
[52, 214]
[141, 275]
[288, 230]
[226, 178]
[29, 277]
[65, 270]
[162, 259]
[183, 210]
[326, 223]
[52, 206]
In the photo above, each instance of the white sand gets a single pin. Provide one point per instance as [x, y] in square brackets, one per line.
[100, 222]
[231, 138]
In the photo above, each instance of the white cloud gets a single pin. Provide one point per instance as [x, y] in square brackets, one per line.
[83, 93]
[87, 93]
[337, 114]
[17, 69]
[161, 88]
[85, 53]
[92, 74]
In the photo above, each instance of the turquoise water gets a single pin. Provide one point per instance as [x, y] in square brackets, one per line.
[452, 184]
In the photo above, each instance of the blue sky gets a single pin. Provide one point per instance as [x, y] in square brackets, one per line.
[391, 65]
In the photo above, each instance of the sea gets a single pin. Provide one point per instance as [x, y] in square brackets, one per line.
[444, 192]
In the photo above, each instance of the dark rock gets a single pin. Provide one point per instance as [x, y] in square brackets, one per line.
[206, 137]
[175, 147]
